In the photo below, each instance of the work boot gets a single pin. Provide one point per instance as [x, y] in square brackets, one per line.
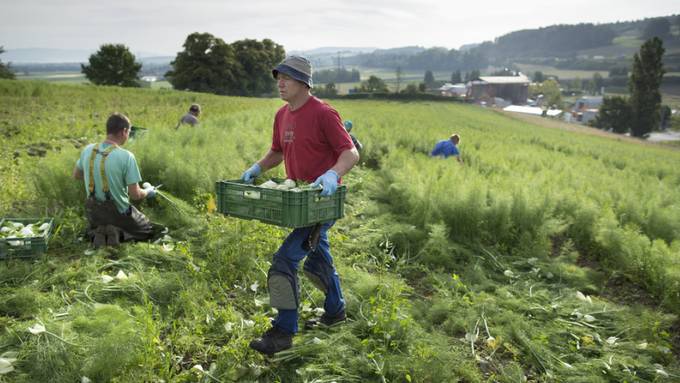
[99, 237]
[326, 320]
[272, 341]
[112, 235]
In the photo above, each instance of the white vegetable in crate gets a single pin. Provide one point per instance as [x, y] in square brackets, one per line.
[27, 232]
[44, 226]
[269, 185]
[17, 225]
[5, 229]
[289, 183]
[282, 187]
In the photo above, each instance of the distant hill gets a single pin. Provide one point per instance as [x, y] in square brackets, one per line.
[578, 47]
[331, 51]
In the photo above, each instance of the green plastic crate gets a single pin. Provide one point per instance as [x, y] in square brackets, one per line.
[25, 247]
[279, 207]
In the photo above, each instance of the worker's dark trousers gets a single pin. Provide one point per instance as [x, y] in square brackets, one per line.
[133, 223]
[292, 252]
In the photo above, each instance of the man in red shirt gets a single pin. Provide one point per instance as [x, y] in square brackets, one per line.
[310, 139]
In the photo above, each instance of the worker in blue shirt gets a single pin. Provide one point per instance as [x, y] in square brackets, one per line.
[447, 148]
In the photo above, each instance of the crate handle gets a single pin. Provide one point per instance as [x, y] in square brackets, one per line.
[252, 194]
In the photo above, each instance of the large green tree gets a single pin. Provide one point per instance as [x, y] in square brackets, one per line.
[255, 62]
[112, 64]
[614, 115]
[645, 80]
[208, 64]
[5, 71]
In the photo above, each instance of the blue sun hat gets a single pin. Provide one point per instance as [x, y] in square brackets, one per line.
[296, 67]
[348, 125]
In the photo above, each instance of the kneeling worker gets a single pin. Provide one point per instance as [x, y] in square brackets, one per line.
[111, 177]
[447, 148]
[191, 117]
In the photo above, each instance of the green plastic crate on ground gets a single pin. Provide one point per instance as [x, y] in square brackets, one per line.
[14, 247]
[279, 207]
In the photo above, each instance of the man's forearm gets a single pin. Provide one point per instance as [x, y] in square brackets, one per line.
[270, 160]
[346, 161]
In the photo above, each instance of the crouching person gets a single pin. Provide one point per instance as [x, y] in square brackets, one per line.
[111, 178]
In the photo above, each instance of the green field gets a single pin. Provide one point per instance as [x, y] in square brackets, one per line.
[548, 256]
[530, 69]
[69, 77]
[74, 78]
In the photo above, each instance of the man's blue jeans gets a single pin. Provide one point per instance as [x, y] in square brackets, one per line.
[292, 252]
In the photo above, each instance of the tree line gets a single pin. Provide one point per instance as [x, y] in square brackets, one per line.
[207, 64]
[433, 58]
[557, 40]
[336, 75]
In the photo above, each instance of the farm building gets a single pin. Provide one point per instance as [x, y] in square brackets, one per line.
[587, 102]
[453, 90]
[514, 89]
[586, 108]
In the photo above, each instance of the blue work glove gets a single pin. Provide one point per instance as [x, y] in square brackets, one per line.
[329, 182]
[150, 192]
[250, 174]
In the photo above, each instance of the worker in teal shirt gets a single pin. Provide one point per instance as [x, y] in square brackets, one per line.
[448, 148]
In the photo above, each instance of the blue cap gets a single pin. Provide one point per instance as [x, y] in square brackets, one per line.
[348, 125]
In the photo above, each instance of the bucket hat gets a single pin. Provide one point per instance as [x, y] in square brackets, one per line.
[297, 67]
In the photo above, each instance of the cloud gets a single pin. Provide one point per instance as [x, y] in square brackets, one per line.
[162, 26]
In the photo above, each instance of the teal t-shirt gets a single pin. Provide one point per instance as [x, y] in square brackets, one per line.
[121, 170]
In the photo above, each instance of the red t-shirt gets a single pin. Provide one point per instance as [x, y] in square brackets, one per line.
[311, 139]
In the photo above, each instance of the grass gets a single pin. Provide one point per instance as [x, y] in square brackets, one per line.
[535, 261]
[628, 41]
[69, 77]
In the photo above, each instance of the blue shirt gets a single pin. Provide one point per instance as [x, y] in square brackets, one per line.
[445, 148]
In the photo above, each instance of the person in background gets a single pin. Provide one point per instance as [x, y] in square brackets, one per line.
[191, 117]
[111, 177]
[309, 137]
[348, 127]
[447, 148]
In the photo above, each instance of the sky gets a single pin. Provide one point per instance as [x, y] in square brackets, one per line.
[161, 27]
